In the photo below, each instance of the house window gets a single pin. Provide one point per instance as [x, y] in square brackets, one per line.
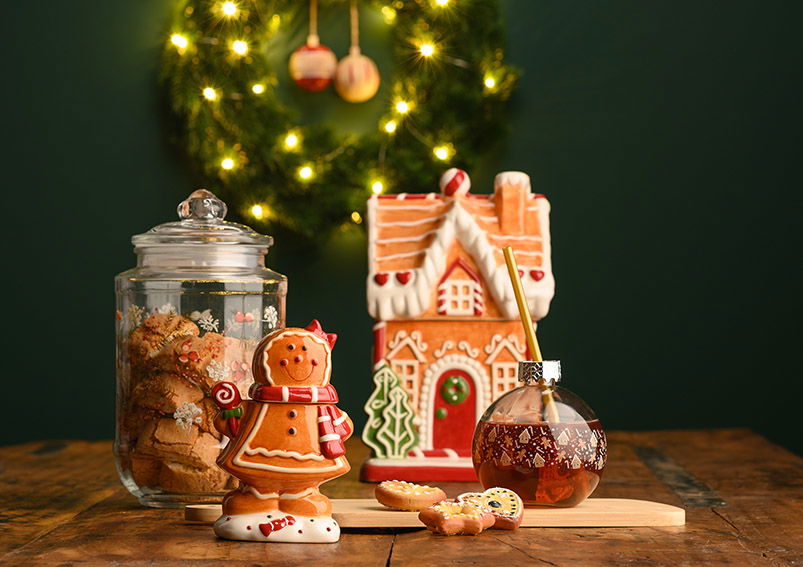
[407, 371]
[505, 377]
[459, 297]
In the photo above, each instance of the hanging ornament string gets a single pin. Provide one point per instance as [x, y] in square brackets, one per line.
[312, 37]
[357, 78]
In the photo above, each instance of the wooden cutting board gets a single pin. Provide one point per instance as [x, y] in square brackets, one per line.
[593, 513]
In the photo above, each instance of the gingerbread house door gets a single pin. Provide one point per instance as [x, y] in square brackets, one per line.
[455, 407]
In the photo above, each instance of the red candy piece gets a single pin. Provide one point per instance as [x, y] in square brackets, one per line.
[381, 279]
[404, 277]
[537, 275]
[276, 525]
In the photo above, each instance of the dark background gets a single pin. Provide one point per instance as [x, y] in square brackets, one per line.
[666, 135]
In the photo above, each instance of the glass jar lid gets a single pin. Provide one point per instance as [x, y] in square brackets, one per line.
[202, 223]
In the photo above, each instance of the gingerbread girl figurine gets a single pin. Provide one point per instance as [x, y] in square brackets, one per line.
[284, 442]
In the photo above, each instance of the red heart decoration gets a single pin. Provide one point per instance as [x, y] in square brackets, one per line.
[521, 273]
[381, 279]
[404, 277]
[537, 275]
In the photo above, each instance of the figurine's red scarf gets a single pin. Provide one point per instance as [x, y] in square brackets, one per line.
[332, 424]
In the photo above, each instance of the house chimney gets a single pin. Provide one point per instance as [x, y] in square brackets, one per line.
[511, 191]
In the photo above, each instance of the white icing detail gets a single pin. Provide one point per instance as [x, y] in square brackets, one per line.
[312, 530]
[406, 238]
[512, 237]
[296, 495]
[400, 255]
[306, 334]
[429, 391]
[324, 418]
[402, 339]
[512, 178]
[282, 453]
[329, 437]
[390, 302]
[340, 419]
[314, 396]
[498, 344]
[413, 207]
[285, 393]
[447, 345]
[258, 494]
[451, 453]
[410, 223]
[466, 347]
[488, 218]
[522, 253]
[246, 446]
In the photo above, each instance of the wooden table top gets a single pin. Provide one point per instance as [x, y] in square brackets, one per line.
[63, 504]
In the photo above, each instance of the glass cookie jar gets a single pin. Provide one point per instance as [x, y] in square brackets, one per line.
[188, 315]
[541, 441]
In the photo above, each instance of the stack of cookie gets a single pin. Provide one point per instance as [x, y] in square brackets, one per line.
[167, 435]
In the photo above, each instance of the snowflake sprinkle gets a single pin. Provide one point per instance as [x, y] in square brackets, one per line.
[218, 371]
[271, 316]
[186, 414]
[205, 320]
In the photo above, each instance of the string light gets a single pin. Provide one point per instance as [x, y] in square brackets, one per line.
[209, 93]
[389, 14]
[489, 82]
[239, 47]
[402, 107]
[427, 49]
[442, 2]
[306, 173]
[258, 88]
[291, 141]
[390, 126]
[179, 41]
[377, 187]
[443, 152]
[227, 164]
[229, 9]
[356, 217]
[257, 211]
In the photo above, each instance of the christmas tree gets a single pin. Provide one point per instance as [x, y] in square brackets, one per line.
[389, 430]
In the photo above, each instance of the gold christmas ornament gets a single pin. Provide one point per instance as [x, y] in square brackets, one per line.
[357, 78]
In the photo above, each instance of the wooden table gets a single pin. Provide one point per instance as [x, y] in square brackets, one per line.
[63, 505]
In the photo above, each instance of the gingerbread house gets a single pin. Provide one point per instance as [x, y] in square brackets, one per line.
[446, 317]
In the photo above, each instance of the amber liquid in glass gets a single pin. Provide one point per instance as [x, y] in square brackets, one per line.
[558, 464]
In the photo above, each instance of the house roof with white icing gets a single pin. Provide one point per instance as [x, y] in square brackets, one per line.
[409, 237]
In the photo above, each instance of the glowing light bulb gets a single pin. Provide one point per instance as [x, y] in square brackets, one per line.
[442, 2]
[489, 82]
[227, 164]
[306, 173]
[179, 41]
[390, 126]
[209, 93]
[258, 88]
[443, 152]
[229, 8]
[377, 187]
[291, 141]
[239, 47]
[257, 211]
[402, 107]
[389, 14]
[356, 217]
[427, 49]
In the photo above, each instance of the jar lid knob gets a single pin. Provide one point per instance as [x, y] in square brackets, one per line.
[202, 205]
[531, 372]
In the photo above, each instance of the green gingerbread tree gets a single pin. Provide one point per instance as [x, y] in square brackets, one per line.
[389, 430]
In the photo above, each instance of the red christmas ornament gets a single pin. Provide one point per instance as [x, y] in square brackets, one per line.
[312, 66]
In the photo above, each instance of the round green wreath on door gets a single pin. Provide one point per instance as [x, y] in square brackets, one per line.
[443, 98]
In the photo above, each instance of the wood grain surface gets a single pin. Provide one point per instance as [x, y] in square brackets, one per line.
[63, 505]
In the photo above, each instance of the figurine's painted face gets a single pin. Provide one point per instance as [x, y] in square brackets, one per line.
[295, 357]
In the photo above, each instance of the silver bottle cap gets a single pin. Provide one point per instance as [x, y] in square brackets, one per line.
[531, 372]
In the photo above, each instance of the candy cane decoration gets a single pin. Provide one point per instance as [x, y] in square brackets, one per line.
[227, 397]
[276, 525]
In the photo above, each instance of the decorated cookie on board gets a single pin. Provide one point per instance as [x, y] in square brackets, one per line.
[455, 518]
[504, 505]
[402, 495]
[284, 442]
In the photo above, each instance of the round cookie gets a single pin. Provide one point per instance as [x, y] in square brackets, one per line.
[402, 495]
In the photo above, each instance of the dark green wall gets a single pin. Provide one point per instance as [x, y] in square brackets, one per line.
[667, 136]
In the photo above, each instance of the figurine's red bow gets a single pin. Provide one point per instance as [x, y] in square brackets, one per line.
[315, 328]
